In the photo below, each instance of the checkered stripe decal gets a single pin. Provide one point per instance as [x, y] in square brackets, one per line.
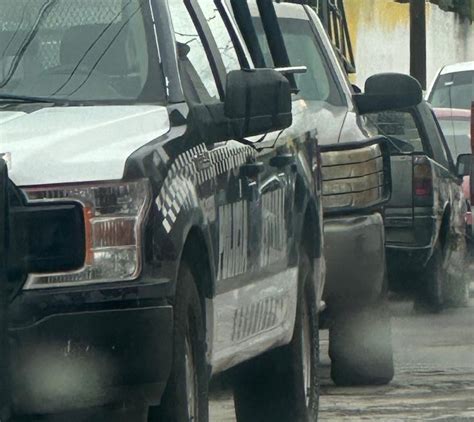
[183, 176]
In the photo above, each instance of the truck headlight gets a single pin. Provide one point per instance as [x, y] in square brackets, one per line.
[114, 215]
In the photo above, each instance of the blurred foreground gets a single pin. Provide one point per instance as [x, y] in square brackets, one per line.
[434, 373]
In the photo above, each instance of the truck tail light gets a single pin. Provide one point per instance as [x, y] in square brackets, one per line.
[114, 215]
[422, 181]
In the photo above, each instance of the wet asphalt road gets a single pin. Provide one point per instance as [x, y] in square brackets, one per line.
[434, 380]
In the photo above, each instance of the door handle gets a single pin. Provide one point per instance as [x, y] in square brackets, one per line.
[282, 160]
[252, 170]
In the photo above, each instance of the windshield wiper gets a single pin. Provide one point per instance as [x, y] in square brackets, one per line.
[25, 99]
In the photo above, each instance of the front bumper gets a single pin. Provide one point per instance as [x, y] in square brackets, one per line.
[355, 256]
[79, 359]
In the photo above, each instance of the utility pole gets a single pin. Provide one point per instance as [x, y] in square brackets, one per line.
[418, 41]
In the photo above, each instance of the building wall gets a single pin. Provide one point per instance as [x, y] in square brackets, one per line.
[380, 31]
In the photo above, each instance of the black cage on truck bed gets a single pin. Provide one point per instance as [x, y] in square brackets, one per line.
[333, 17]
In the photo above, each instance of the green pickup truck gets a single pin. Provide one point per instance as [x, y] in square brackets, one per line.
[425, 218]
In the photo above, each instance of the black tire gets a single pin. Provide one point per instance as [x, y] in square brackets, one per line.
[430, 293]
[360, 347]
[272, 387]
[444, 282]
[189, 359]
[456, 290]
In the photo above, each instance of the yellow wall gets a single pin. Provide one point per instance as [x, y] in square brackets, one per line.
[380, 33]
[386, 13]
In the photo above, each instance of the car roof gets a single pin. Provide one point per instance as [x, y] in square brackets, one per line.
[458, 67]
[283, 10]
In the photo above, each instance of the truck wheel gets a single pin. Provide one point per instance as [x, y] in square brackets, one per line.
[444, 282]
[360, 347]
[283, 385]
[456, 289]
[186, 395]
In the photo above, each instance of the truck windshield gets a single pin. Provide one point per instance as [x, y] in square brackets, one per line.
[79, 51]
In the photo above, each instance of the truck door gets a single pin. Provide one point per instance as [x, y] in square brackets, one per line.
[275, 160]
[228, 173]
[228, 194]
[244, 200]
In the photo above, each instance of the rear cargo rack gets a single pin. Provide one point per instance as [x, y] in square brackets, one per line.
[333, 17]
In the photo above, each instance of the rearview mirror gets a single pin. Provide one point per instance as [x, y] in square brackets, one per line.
[389, 91]
[257, 101]
[465, 165]
[356, 176]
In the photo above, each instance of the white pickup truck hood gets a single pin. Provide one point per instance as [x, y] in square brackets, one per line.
[76, 144]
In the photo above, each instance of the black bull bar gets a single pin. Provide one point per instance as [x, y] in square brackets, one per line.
[4, 358]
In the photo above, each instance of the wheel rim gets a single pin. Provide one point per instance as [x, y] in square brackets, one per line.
[191, 380]
[306, 352]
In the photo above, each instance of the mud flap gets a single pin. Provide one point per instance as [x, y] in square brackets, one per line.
[4, 371]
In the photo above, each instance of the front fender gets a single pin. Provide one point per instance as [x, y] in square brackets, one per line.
[175, 218]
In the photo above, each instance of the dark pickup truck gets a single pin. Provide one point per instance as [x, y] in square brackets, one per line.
[425, 218]
[151, 242]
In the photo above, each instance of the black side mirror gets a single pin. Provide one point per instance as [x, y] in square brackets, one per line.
[389, 91]
[465, 165]
[257, 101]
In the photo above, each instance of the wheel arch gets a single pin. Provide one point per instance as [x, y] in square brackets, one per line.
[445, 224]
[312, 231]
[196, 253]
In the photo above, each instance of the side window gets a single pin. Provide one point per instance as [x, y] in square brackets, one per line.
[220, 34]
[318, 83]
[262, 40]
[439, 144]
[196, 73]
[435, 136]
